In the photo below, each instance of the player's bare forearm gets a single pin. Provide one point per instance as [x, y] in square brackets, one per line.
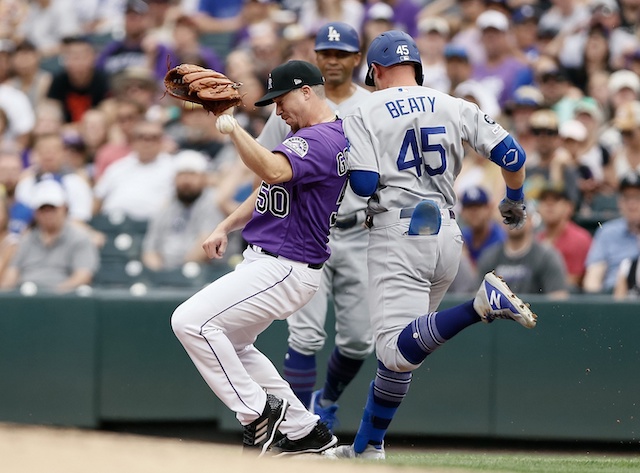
[273, 168]
[514, 179]
[216, 244]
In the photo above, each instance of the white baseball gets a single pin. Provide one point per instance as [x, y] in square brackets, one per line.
[28, 288]
[226, 124]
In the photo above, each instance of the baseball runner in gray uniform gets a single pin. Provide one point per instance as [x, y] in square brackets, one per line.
[286, 222]
[344, 275]
[406, 149]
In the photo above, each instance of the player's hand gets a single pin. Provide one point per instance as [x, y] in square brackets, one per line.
[514, 212]
[216, 244]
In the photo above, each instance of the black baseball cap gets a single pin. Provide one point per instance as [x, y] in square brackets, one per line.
[630, 180]
[136, 6]
[290, 76]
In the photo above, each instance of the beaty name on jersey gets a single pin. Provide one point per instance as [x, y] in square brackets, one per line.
[410, 105]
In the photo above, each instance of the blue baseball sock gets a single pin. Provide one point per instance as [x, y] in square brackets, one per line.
[386, 392]
[340, 372]
[428, 332]
[300, 373]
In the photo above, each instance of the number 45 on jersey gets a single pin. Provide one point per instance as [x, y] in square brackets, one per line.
[414, 159]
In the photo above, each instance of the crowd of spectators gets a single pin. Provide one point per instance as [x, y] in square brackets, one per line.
[82, 104]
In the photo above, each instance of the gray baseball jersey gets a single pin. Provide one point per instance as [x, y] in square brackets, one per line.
[412, 137]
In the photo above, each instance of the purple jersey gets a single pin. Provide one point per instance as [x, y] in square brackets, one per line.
[502, 80]
[292, 219]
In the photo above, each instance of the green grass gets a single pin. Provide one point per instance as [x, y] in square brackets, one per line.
[518, 462]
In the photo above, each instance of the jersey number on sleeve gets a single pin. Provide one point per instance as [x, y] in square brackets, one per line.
[410, 142]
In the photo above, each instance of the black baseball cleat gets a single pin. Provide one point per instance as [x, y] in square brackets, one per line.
[259, 434]
[317, 441]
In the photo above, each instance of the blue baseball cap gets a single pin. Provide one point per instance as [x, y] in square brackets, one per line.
[525, 13]
[452, 51]
[475, 195]
[339, 36]
[525, 96]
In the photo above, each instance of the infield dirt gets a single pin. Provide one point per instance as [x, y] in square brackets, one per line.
[36, 449]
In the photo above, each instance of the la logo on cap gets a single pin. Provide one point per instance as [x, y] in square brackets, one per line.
[333, 35]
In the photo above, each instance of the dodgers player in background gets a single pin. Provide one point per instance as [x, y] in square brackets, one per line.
[344, 275]
[405, 152]
[286, 223]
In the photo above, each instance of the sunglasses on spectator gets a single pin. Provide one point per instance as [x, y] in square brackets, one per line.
[147, 136]
[127, 117]
[554, 76]
[627, 133]
[544, 132]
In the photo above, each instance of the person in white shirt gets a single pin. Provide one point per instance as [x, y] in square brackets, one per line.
[138, 185]
[48, 153]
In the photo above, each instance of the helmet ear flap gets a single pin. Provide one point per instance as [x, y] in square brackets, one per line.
[368, 80]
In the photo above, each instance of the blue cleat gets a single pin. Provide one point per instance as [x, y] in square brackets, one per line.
[495, 300]
[327, 414]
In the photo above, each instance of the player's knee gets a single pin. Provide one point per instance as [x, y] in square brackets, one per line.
[179, 322]
[392, 359]
[357, 349]
[307, 346]
[397, 363]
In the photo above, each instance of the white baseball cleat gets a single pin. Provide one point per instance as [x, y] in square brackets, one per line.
[495, 300]
[347, 451]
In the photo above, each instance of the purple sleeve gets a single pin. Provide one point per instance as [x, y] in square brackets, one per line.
[212, 61]
[302, 150]
[163, 59]
[105, 53]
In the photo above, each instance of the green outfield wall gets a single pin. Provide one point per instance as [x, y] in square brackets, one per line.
[112, 357]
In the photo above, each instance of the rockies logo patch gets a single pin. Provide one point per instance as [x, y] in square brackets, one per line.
[297, 145]
[489, 120]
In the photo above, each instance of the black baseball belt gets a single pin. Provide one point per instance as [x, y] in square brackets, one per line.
[259, 249]
[350, 221]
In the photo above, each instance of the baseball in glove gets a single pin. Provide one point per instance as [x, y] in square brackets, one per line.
[211, 89]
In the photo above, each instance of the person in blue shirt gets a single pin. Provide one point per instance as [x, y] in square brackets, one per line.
[616, 239]
[480, 230]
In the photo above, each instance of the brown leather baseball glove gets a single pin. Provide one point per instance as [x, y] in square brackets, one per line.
[211, 89]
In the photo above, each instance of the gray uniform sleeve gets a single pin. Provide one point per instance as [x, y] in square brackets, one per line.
[362, 153]
[479, 129]
[273, 132]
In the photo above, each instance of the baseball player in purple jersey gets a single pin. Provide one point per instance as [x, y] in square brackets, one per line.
[344, 276]
[406, 149]
[286, 223]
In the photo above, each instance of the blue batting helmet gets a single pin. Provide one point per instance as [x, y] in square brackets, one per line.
[393, 47]
[339, 36]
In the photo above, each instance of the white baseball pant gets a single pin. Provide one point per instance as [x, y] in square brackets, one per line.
[408, 277]
[218, 325]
